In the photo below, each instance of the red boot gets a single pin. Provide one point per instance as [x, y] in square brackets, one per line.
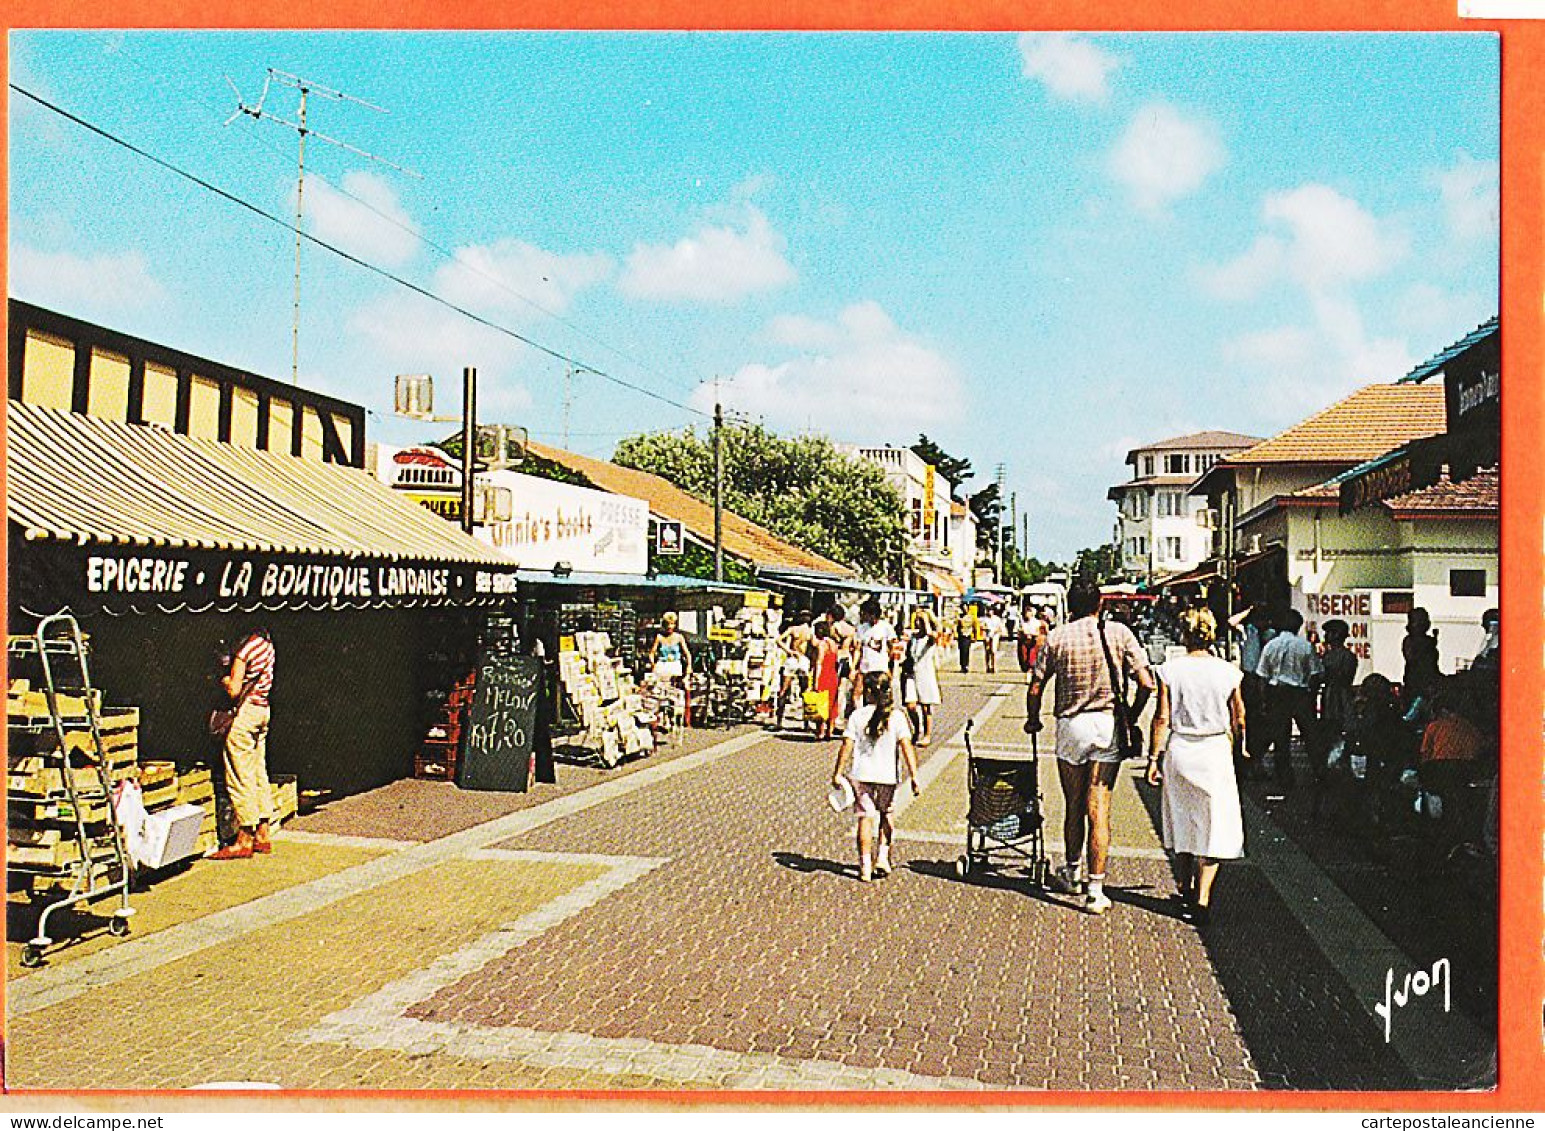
[260, 841]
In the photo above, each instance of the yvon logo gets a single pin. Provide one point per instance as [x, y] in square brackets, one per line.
[1416, 984]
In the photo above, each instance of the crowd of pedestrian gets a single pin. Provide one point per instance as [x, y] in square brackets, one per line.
[1388, 761]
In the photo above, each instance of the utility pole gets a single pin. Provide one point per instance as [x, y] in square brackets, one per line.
[568, 398]
[306, 88]
[998, 541]
[468, 431]
[718, 486]
[1014, 523]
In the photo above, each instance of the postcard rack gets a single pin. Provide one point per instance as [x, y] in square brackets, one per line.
[61, 782]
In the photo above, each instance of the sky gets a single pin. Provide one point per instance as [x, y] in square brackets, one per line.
[1041, 250]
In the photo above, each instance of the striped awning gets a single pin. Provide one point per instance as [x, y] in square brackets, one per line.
[91, 482]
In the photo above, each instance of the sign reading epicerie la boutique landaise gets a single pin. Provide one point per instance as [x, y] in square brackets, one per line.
[591, 531]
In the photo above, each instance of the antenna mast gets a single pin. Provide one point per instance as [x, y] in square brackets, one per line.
[306, 88]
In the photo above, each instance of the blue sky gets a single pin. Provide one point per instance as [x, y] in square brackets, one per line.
[1041, 250]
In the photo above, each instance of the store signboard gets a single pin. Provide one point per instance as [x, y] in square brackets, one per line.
[149, 578]
[498, 741]
[591, 531]
[724, 635]
[670, 537]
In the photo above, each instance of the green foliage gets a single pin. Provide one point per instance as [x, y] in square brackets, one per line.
[697, 561]
[957, 471]
[802, 489]
[1098, 564]
[988, 509]
[1019, 572]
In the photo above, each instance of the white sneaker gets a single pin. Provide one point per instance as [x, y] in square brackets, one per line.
[882, 862]
[1065, 880]
[1096, 903]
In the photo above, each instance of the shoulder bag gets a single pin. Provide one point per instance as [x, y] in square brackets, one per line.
[1129, 734]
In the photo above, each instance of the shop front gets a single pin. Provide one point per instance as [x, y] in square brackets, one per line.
[168, 550]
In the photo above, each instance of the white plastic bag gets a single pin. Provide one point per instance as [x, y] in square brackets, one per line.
[129, 809]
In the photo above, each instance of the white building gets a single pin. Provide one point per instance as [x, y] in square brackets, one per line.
[1162, 528]
[941, 545]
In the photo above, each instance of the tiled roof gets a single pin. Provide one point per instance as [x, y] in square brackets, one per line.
[1432, 365]
[742, 537]
[1219, 441]
[1359, 427]
[1478, 495]
[78, 478]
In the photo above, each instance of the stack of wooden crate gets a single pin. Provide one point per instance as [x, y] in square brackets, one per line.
[43, 827]
[437, 755]
[44, 843]
[196, 786]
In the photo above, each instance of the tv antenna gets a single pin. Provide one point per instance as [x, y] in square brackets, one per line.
[306, 88]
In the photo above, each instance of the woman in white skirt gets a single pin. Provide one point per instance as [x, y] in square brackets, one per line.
[1200, 711]
[920, 688]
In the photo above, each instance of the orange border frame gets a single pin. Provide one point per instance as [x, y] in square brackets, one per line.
[1521, 1083]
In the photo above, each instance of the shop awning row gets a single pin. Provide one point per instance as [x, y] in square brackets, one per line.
[78, 479]
[629, 581]
[812, 581]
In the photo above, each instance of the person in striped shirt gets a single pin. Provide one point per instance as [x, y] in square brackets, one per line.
[248, 683]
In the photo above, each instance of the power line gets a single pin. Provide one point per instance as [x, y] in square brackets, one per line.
[439, 249]
[557, 355]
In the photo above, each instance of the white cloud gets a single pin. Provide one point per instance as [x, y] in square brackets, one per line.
[1319, 244]
[408, 333]
[863, 376]
[1164, 156]
[1332, 238]
[78, 283]
[364, 218]
[1469, 193]
[1281, 350]
[1318, 239]
[1321, 362]
[1069, 66]
[716, 264]
[484, 277]
[1424, 309]
[1247, 275]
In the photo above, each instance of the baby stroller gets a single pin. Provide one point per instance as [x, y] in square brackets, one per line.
[1005, 812]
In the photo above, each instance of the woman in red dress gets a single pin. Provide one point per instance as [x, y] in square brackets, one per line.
[826, 651]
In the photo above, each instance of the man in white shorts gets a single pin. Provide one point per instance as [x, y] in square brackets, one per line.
[1087, 752]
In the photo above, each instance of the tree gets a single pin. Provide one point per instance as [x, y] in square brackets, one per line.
[1098, 564]
[802, 489]
[957, 471]
[987, 508]
[1019, 572]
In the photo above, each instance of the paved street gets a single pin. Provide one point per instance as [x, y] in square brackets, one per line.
[696, 922]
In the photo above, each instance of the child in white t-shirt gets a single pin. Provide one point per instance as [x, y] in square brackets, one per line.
[879, 740]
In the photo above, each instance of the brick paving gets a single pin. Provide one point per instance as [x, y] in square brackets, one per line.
[701, 926]
[758, 939]
[198, 891]
[422, 810]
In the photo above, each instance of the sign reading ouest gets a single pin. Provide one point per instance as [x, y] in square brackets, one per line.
[591, 531]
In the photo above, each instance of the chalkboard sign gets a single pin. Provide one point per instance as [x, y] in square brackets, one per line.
[500, 731]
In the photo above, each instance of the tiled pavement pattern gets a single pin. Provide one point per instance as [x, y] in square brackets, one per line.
[230, 1012]
[722, 941]
[201, 890]
[758, 940]
[427, 810]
